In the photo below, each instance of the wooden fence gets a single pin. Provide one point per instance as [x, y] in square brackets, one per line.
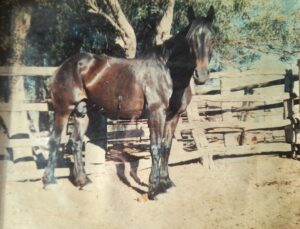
[231, 115]
[235, 116]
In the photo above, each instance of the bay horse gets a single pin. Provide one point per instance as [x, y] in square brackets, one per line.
[123, 88]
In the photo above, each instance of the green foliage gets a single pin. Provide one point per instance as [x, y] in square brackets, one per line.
[243, 28]
[59, 30]
[246, 28]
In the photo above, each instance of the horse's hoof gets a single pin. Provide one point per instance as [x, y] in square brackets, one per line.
[82, 187]
[48, 181]
[152, 195]
[153, 191]
[165, 184]
[52, 187]
[82, 181]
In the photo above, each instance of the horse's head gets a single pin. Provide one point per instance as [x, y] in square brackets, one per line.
[200, 39]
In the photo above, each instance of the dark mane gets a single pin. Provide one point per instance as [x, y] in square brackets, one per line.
[165, 50]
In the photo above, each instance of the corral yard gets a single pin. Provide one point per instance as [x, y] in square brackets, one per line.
[254, 188]
[247, 192]
[220, 78]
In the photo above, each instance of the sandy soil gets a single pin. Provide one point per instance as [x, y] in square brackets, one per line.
[249, 192]
[245, 192]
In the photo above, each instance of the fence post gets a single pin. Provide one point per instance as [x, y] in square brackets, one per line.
[18, 126]
[18, 119]
[298, 63]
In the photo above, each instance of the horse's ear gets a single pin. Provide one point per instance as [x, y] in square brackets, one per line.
[191, 14]
[210, 14]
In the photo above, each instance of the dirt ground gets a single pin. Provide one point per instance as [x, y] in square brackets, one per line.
[245, 192]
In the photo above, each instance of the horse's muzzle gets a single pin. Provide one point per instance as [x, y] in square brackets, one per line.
[201, 76]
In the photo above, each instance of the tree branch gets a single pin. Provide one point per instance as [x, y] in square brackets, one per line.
[126, 36]
[119, 17]
[95, 9]
[164, 26]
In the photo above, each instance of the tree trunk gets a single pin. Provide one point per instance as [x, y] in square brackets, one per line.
[125, 34]
[163, 28]
[20, 29]
[21, 21]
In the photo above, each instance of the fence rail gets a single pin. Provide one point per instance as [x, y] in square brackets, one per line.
[26, 71]
[213, 111]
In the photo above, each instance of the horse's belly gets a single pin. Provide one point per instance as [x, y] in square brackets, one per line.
[125, 109]
[124, 103]
[117, 89]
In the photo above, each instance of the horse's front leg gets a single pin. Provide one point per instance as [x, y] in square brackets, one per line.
[75, 145]
[156, 126]
[170, 126]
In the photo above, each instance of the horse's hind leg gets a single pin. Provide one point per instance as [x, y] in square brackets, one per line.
[165, 181]
[59, 122]
[75, 144]
[156, 126]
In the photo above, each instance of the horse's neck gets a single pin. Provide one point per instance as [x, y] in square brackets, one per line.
[162, 52]
[165, 50]
[175, 54]
[181, 65]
